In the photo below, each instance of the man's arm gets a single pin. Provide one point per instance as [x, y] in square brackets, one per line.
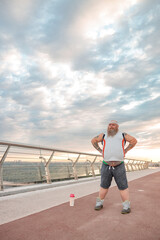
[132, 142]
[96, 140]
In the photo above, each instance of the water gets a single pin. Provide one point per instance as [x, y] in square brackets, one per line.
[27, 172]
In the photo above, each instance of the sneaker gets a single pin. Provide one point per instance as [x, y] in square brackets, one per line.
[124, 211]
[126, 207]
[99, 204]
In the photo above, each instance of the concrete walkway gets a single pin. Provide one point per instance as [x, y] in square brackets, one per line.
[45, 214]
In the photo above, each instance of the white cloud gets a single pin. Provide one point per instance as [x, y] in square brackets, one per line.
[130, 105]
[12, 61]
[69, 66]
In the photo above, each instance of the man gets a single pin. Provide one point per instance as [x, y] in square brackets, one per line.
[113, 163]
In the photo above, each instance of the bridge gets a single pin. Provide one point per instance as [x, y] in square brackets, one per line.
[41, 211]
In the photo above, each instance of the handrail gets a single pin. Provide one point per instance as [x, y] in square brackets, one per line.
[44, 148]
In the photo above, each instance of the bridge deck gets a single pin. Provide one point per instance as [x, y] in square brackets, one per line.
[82, 222]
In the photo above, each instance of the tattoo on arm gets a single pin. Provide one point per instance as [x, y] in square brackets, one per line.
[97, 147]
[130, 146]
[97, 136]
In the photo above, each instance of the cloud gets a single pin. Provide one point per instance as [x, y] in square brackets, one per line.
[67, 67]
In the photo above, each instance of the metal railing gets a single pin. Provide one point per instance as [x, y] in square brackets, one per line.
[39, 163]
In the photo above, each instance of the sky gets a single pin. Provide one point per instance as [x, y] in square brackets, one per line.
[68, 67]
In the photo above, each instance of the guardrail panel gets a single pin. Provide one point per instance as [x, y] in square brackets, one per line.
[25, 164]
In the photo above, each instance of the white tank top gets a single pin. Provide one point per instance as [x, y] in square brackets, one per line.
[113, 148]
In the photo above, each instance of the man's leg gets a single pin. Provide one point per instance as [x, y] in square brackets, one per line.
[124, 194]
[102, 193]
[121, 179]
[100, 199]
[106, 178]
[126, 203]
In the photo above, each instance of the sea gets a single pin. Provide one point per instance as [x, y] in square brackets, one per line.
[22, 173]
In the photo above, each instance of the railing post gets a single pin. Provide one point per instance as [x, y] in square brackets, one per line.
[46, 166]
[130, 164]
[141, 165]
[40, 173]
[74, 167]
[1, 167]
[68, 170]
[138, 165]
[86, 169]
[127, 168]
[92, 165]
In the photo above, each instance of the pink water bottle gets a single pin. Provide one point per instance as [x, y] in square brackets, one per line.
[72, 197]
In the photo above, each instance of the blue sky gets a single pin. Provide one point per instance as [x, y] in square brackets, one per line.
[70, 66]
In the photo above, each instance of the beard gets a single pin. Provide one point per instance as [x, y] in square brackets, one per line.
[112, 132]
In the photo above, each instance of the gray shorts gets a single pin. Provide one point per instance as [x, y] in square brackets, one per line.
[119, 174]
